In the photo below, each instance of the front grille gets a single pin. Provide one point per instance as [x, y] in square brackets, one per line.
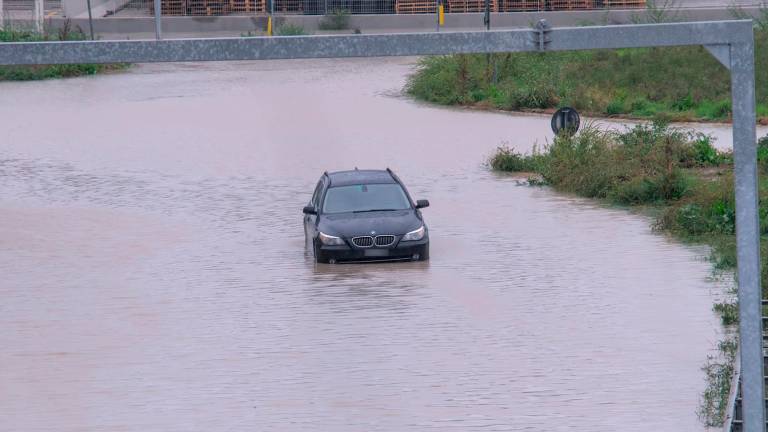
[369, 241]
[365, 241]
[385, 240]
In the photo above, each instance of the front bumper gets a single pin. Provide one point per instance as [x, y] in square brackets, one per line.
[410, 250]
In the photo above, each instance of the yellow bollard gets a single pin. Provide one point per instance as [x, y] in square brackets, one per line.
[441, 15]
[269, 25]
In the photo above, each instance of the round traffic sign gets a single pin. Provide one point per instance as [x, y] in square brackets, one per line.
[566, 120]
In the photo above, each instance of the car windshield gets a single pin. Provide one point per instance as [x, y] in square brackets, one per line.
[365, 197]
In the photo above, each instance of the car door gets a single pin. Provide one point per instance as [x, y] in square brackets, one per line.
[310, 221]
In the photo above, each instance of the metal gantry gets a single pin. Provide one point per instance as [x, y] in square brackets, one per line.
[731, 42]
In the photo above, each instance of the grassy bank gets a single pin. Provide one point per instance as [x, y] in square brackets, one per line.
[39, 72]
[683, 83]
[679, 177]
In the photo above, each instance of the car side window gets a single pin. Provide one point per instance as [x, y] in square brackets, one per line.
[316, 195]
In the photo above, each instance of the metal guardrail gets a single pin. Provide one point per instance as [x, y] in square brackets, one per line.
[734, 421]
[714, 34]
[133, 8]
[325, 7]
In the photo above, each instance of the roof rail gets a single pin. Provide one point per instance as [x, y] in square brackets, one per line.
[394, 176]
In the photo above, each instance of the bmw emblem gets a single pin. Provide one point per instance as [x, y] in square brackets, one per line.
[373, 232]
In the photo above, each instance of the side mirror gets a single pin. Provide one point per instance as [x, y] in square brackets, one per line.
[309, 210]
[422, 203]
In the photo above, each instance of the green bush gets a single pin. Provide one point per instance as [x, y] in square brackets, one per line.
[533, 97]
[38, 72]
[337, 20]
[572, 162]
[438, 82]
[708, 210]
[291, 30]
[615, 107]
[684, 104]
[762, 150]
[719, 371]
[642, 165]
[645, 190]
[722, 216]
[729, 312]
[506, 159]
[705, 153]
[710, 110]
[691, 219]
[636, 191]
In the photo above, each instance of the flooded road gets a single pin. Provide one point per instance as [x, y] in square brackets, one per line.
[154, 275]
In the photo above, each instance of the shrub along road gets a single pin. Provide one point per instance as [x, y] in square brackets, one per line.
[38, 72]
[680, 83]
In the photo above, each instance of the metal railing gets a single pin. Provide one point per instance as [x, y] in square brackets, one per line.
[26, 9]
[734, 421]
[251, 17]
[355, 7]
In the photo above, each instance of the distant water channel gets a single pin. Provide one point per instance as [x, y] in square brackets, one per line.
[154, 275]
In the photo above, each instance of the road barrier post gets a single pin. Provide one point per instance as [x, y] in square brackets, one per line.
[440, 14]
[39, 13]
[90, 18]
[742, 62]
[158, 19]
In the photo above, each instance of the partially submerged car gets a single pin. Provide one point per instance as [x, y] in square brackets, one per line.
[365, 215]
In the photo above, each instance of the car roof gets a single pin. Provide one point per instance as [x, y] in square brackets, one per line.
[353, 177]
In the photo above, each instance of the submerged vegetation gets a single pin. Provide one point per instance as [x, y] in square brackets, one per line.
[680, 176]
[38, 72]
[683, 83]
[719, 373]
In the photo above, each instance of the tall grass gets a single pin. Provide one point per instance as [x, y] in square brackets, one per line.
[684, 83]
[291, 30]
[38, 72]
[338, 19]
[676, 170]
[719, 373]
[647, 164]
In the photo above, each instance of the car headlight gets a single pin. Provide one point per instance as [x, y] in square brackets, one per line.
[330, 240]
[415, 234]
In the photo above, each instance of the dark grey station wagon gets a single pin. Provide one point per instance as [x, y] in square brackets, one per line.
[365, 215]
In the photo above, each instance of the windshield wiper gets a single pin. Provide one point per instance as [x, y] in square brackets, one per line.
[372, 210]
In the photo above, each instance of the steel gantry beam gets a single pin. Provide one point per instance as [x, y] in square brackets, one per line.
[731, 42]
[404, 44]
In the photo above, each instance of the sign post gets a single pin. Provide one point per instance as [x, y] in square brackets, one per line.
[566, 120]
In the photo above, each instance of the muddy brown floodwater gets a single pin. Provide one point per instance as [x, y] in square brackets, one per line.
[154, 275]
